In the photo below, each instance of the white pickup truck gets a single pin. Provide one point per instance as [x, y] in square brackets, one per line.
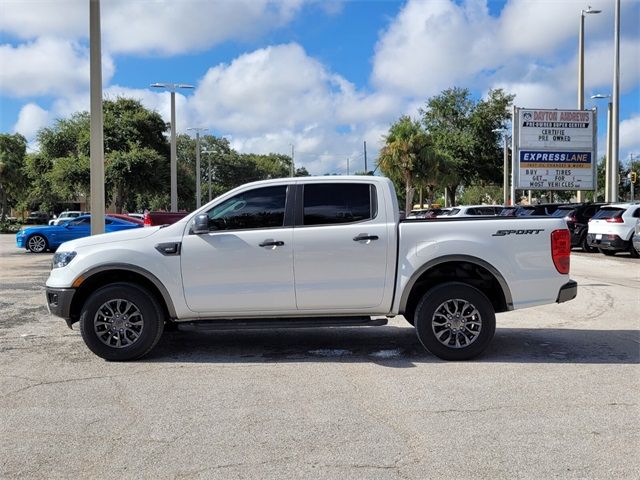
[302, 252]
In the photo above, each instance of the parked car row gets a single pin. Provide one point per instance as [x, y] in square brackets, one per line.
[38, 239]
[607, 228]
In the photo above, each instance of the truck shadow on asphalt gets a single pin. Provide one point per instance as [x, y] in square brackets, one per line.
[394, 347]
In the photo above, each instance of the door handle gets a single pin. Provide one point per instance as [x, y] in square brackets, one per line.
[271, 243]
[364, 236]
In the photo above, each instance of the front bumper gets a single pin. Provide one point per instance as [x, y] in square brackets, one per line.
[567, 292]
[607, 242]
[21, 241]
[59, 302]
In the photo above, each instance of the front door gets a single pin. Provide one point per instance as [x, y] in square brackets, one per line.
[245, 262]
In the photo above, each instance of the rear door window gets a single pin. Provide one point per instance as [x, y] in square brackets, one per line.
[336, 203]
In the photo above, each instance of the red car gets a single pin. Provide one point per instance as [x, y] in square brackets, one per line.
[127, 218]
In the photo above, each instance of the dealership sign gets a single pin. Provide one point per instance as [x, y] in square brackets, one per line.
[554, 149]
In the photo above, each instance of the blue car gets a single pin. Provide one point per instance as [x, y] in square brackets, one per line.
[40, 239]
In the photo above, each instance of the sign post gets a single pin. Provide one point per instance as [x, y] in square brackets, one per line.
[554, 149]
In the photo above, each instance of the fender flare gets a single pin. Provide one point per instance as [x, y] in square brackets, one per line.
[506, 292]
[87, 274]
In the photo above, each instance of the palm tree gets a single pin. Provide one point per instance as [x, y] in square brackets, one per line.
[408, 156]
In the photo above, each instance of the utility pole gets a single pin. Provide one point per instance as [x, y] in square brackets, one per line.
[96, 142]
[347, 165]
[198, 194]
[505, 175]
[631, 177]
[366, 171]
[505, 165]
[293, 168]
[209, 152]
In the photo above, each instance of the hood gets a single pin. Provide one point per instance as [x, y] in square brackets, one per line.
[123, 236]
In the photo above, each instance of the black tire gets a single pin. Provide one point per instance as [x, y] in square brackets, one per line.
[585, 246]
[96, 334]
[430, 309]
[608, 253]
[632, 250]
[37, 244]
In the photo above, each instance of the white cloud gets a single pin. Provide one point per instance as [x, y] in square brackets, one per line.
[170, 27]
[31, 118]
[531, 48]
[28, 19]
[432, 45]
[629, 133]
[154, 26]
[271, 98]
[541, 27]
[46, 66]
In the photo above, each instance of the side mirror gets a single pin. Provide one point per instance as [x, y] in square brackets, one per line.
[200, 224]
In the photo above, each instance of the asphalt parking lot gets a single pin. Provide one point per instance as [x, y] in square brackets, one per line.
[555, 396]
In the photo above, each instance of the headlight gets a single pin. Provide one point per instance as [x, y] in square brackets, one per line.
[62, 259]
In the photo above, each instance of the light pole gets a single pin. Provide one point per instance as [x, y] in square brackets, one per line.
[588, 11]
[631, 177]
[198, 195]
[96, 142]
[209, 152]
[607, 158]
[172, 87]
[505, 165]
[615, 112]
[293, 168]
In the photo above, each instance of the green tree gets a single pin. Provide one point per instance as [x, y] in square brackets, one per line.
[12, 177]
[133, 172]
[408, 158]
[41, 192]
[136, 156]
[69, 177]
[462, 132]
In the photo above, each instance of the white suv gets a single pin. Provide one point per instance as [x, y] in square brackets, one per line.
[64, 216]
[612, 227]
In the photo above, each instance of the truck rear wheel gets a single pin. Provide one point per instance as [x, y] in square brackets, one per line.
[121, 321]
[455, 321]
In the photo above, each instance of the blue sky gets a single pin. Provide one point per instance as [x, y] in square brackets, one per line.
[321, 75]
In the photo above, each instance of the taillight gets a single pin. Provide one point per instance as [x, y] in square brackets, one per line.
[615, 220]
[561, 250]
[147, 219]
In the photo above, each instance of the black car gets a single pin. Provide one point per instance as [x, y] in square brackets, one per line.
[37, 218]
[543, 209]
[577, 216]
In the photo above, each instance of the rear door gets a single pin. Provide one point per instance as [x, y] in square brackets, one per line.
[340, 247]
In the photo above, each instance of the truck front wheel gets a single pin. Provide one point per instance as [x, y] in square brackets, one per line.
[121, 321]
[455, 321]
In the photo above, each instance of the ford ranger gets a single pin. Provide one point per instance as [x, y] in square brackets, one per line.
[301, 252]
